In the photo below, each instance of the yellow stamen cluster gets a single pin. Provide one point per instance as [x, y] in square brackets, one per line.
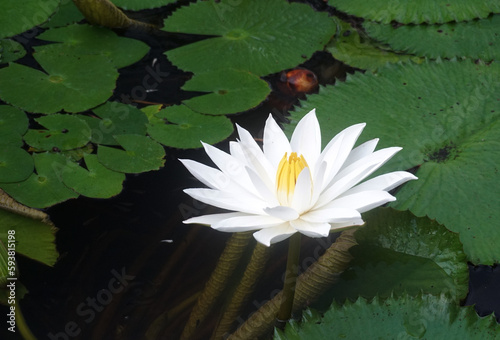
[287, 174]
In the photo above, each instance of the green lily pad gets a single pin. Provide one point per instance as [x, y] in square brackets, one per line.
[137, 5]
[71, 83]
[67, 13]
[259, 36]
[96, 181]
[232, 91]
[429, 11]
[114, 118]
[141, 154]
[15, 164]
[82, 40]
[445, 116]
[19, 16]
[13, 124]
[64, 132]
[43, 188]
[363, 53]
[400, 253]
[34, 238]
[180, 127]
[423, 317]
[446, 41]
[10, 50]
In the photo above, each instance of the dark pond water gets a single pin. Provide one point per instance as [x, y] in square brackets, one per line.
[128, 262]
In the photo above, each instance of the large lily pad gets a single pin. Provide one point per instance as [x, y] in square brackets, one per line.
[90, 40]
[114, 118]
[349, 47]
[64, 132]
[259, 36]
[445, 116]
[19, 16]
[400, 253]
[43, 188]
[13, 124]
[15, 164]
[430, 11]
[232, 91]
[95, 181]
[71, 83]
[180, 127]
[10, 50]
[425, 317]
[140, 154]
[34, 238]
[137, 5]
[446, 41]
[67, 13]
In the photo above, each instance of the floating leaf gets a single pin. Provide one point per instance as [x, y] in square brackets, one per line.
[13, 124]
[43, 188]
[425, 317]
[64, 132]
[19, 16]
[83, 40]
[96, 181]
[232, 91]
[115, 118]
[445, 116]
[259, 36]
[15, 164]
[67, 13]
[399, 253]
[134, 5]
[34, 238]
[446, 41]
[71, 83]
[10, 50]
[430, 11]
[184, 128]
[350, 48]
[141, 154]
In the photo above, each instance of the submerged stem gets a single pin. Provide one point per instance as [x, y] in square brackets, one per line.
[292, 267]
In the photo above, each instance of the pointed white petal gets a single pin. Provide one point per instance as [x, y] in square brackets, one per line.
[275, 234]
[301, 200]
[282, 212]
[213, 218]
[383, 182]
[230, 165]
[306, 138]
[256, 160]
[317, 183]
[275, 142]
[360, 151]
[311, 229]
[247, 222]
[211, 177]
[331, 215]
[225, 200]
[337, 151]
[362, 201]
[340, 226]
[263, 190]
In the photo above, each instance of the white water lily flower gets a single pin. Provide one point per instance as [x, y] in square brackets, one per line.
[291, 187]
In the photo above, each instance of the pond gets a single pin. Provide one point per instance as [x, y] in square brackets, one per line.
[129, 268]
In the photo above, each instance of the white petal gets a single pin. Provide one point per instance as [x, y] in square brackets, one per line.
[362, 201]
[360, 151]
[247, 222]
[331, 215]
[274, 234]
[225, 200]
[383, 182]
[306, 138]
[311, 229]
[275, 142]
[282, 212]
[340, 226]
[213, 218]
[337, 151]
[211, 177]
[263, 190]
[301, 200]
[256, 160]
[230, 165]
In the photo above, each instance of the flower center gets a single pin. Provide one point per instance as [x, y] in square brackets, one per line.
[286, 176]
